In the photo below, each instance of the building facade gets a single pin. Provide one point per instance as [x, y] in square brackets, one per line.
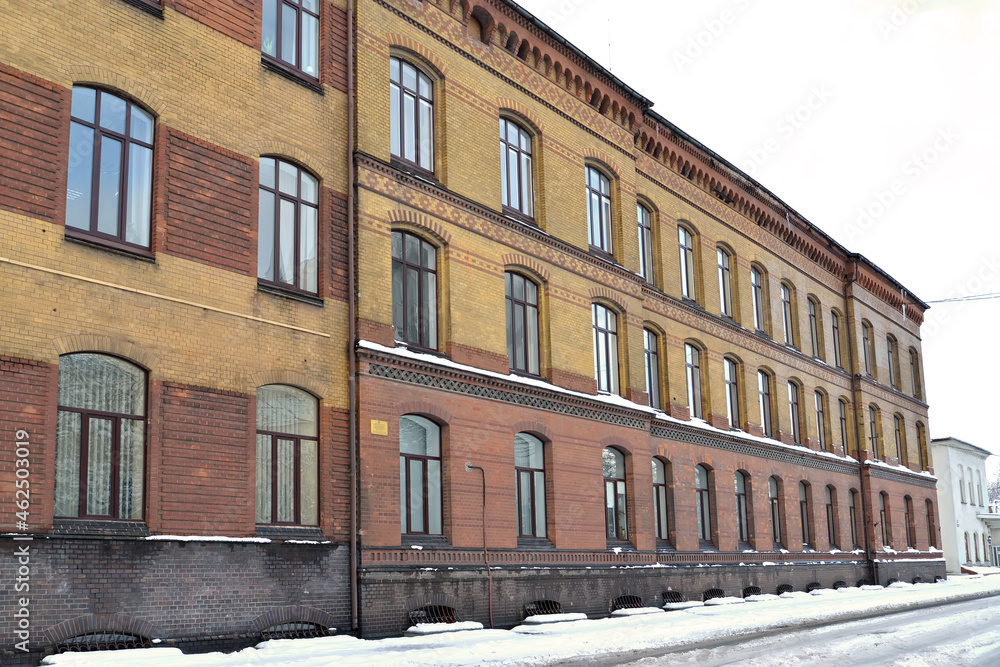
[292, 341]
[965, 505]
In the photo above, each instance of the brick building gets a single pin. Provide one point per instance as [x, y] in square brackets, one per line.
[593, 343]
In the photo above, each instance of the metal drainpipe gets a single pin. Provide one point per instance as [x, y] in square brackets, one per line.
[859, 435]
[352, 415]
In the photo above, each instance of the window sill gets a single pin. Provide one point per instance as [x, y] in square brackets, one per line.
[601, 253]
[623, 545]
[100, 527]
[520, 217]
[664, 547]
[283, 532]
[111, 245]
[535, 543]
[152, 8]
[425, 541]
[294, 75]
[289, 293]
[421, 350]
[414, 170]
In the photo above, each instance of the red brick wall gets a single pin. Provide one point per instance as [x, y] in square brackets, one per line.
[209, 204]
[239, 19]
[334, 476]
[34, 134]
[333, 223]
[334, 45]
[27, 402]
[206, 462]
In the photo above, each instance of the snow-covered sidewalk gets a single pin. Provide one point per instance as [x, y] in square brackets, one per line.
[539, 644]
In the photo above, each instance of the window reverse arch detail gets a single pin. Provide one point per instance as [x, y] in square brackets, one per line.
[290, 34]
[287, 456]
[516, 160]
[100, 438]
[420, 503]
[414, 290]
[109, 185]
[599, 211]
[615, 494]
[287, 226]
[521, 296]
[411, 114]
[529, 467]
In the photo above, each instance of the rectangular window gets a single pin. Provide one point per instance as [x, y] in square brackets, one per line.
[831, 521]
[814, 328]
[732, 393]
[764, 389]
[866, 346]
[873, 440]
[692, 363]
[890, 346]
[645, 243]
[843, 424]
[787, 318]
[290, 34]
[793, 408]
[757, 285]
[918, 392]
[599, 210]
[652, 358]
[660, 500]
[605, 349]
[821, 420]
[685, 244]
[836, 340]
[725, 283]
[414, 290]
[854, 520]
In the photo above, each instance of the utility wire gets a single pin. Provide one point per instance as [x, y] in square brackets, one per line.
[975, 297]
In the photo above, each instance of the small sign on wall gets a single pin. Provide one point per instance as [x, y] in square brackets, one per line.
[380, 427]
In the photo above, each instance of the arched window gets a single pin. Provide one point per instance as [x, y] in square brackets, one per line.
[788, 314]
[764, 394]
[815, 328]
[922, 445]
[661, 510]
[844, 432]
[854, 518]
[725, 282]
[645, 243]
[911, 529]
[975, 544]
[109, 184]
[685, 242]
[692, 364]
[931, 527]
[521, 296]
[892, 354]
[758, 288]
[517, 186]
[411, 113]
[831, 517]
[287, 456]
[732, 376]
[868, 348]
[961, 482]
[605, 349]
[599, 218]
[795, 413]
[414, 290]
[651, 346]
[774, 498]
[287, 226]
[972, 497]
[804, 513]
[918, 391]
[100, 438]
[743, 511]
[419, 476]
[615, 494]
[899, 432]
[821, 423]
[979, 488]
[874, 441]
[703, 502]
[529, 467]
[885, 518]
[290, 34]
[968, 552]
[838, 360]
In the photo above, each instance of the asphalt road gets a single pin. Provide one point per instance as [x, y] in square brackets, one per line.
[955, 634]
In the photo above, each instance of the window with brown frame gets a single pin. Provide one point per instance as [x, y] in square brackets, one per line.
[867, 346]
[725, 282]
[804, 513]
[411, 115]
[529, 469]
[837, 359]
[287, 456]
[651, 344]
[918, 391]
[660, 508]
[288, 227]
[100, 438]
[743, 511]
[821, 424]
[757, 287]
[874, 441]
[109, 184]
[787, 315]
[615, 494]
[815, 329]
[764, 393]
[899, 429]
[844, 436]
[703, 502]
[685, 243]
[922, 445]
[893, 359]
[645, 243]
[731, 371]
[521, 295]
[794, 412]
[931, 528]
[599, 218]
[290, 35]
[516, 186]
[692, 365]
[605, 349]
[420, 503]
[911, 529]
[414, 291]
[831, 518]
[884, 516]
[774, 500]
[854, 518]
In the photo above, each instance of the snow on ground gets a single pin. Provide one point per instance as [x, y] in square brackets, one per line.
[553, 642]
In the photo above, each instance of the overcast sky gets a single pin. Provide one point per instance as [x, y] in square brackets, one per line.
[874, 119]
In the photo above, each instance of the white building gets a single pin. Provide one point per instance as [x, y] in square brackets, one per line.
[962, 502]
